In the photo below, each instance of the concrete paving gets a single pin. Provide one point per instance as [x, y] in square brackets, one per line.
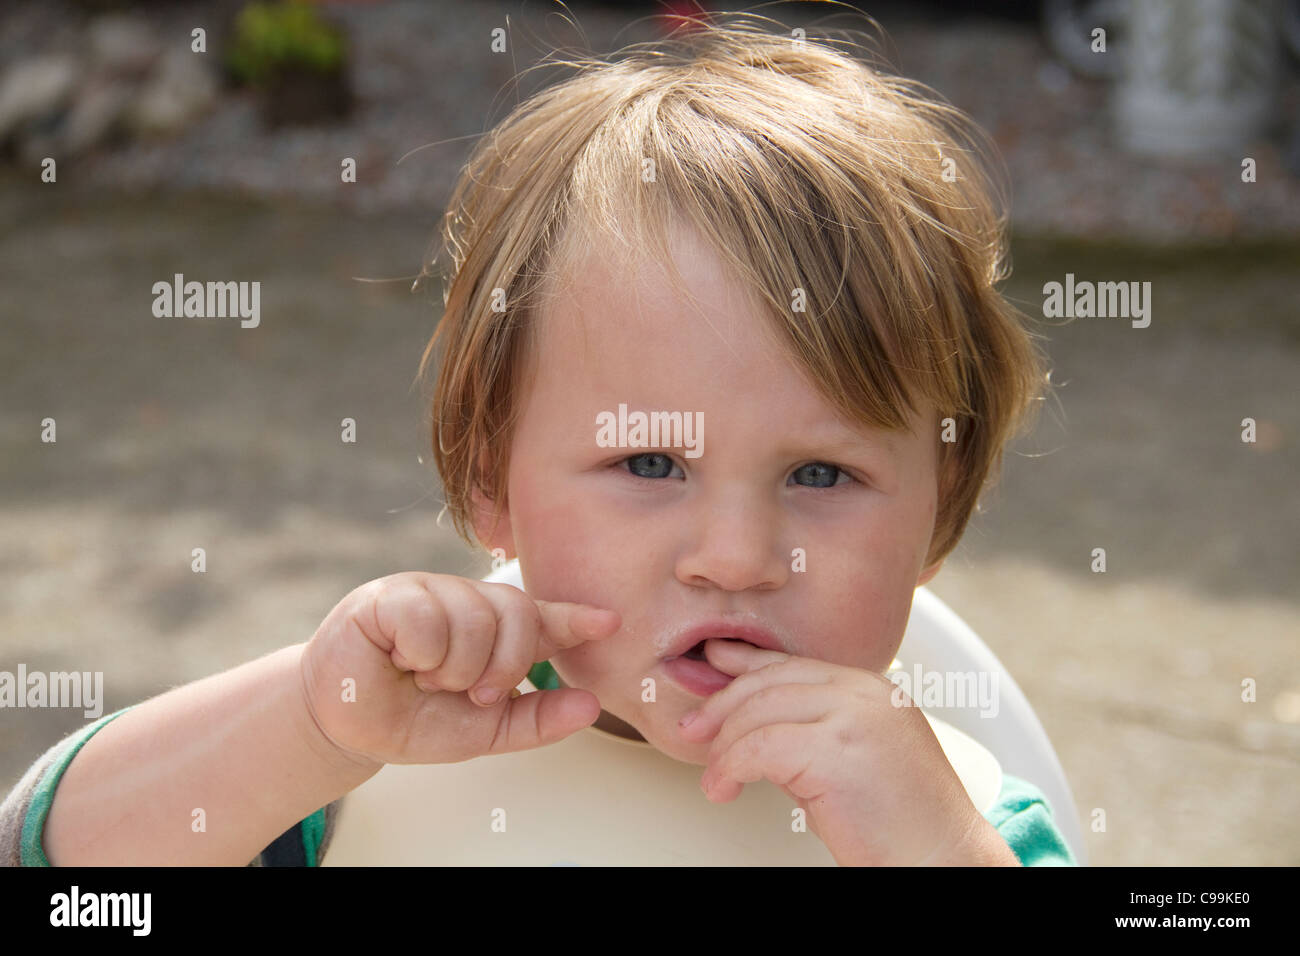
[176, 434]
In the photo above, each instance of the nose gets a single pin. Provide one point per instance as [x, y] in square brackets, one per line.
[735, 545]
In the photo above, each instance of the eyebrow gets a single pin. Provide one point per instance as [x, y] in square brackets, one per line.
[841, 444]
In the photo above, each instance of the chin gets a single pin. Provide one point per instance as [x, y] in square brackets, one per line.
[668, 743]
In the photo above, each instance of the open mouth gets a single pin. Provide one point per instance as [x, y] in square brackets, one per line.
[693, 672]
[696, 653]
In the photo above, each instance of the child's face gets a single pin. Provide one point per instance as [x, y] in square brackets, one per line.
[716, 537]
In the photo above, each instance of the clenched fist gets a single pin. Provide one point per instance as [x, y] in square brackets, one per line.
[418, 668]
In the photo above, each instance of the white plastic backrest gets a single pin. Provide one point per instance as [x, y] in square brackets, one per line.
[939, 641]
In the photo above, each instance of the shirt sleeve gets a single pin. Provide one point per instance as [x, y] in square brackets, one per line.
[1023, 817]
[304, 843]
[23, 813]
[24, 810]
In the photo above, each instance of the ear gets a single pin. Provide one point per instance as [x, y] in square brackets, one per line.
[491, 529]
[929, 572]
[947, 465]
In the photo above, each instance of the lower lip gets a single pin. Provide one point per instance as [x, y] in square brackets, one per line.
[698, 677]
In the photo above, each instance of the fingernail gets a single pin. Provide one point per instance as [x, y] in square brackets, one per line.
[487, 695]
[686, 720]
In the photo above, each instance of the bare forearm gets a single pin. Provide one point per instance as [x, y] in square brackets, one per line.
[981, 845]
[241, 747]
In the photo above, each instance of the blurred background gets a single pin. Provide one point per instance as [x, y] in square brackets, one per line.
[1169, 152]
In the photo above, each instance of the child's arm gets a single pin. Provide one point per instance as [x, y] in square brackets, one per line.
[240, 746]
[385, 679]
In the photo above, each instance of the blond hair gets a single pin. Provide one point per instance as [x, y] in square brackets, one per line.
[804, 167]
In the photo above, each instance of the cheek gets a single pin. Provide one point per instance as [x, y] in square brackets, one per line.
[906, 535]
[867, 599]
[864, 615]
[586, 666]
[559, 542]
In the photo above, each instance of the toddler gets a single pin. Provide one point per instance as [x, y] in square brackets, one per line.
[722, 364]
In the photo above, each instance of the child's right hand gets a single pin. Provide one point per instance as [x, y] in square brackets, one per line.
[410, 647]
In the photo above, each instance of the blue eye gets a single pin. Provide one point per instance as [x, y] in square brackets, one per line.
[652, 465]
[655, 466]
[822, 474]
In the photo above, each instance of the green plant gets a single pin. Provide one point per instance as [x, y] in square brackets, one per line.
[272, 37]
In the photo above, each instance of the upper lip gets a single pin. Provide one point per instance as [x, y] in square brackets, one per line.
[755, 634]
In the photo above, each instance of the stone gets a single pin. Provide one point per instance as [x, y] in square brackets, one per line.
[95, 115]
[35, 90]
[180, 90]
[123, 45]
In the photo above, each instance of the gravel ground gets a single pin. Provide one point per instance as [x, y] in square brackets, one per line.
[175, 435]
[424, 74]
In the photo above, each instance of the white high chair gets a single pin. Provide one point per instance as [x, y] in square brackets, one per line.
[940, 641]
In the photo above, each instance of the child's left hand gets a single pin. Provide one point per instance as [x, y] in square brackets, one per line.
[872, 777]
